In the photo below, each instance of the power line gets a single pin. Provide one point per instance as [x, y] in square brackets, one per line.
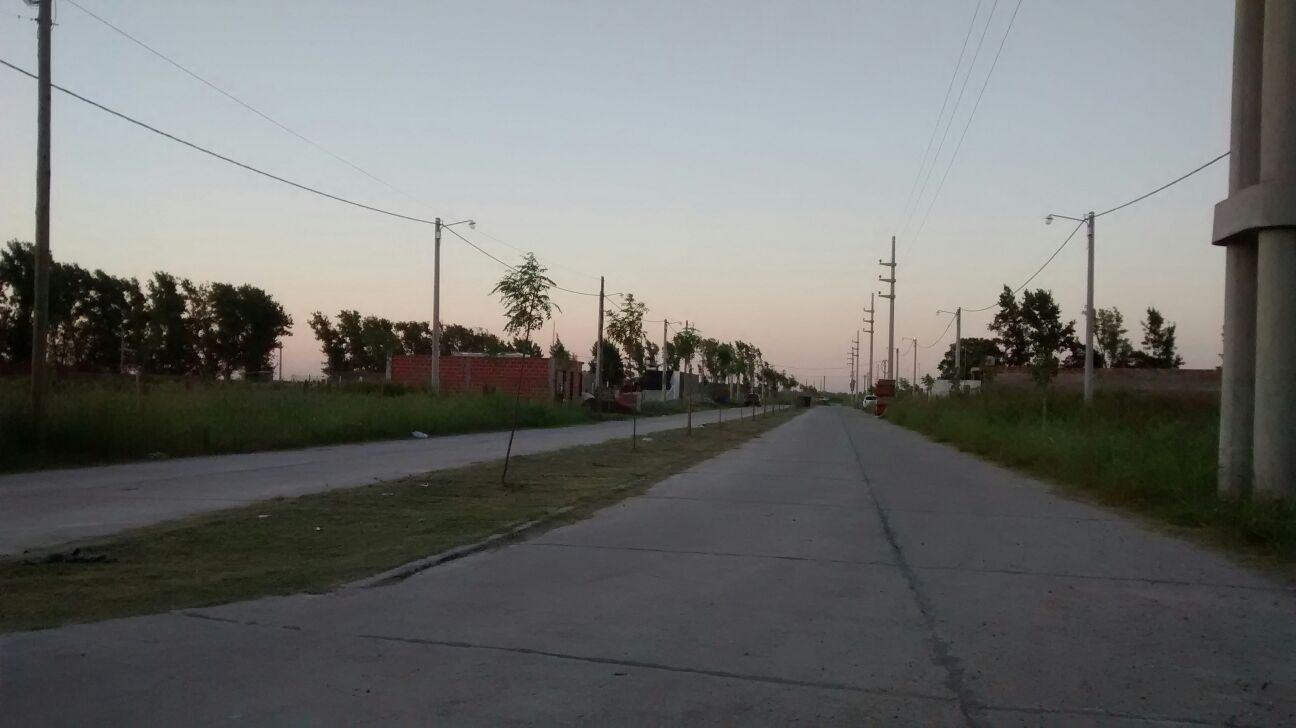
[939, 338]
[193, 74]
[1036, 273]
[944, 103]
[949, 124]
[1167, 185]
[967, 126]
[222, 157]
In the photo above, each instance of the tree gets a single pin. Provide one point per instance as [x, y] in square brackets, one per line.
[524, 292]
[1159, 342]
[261, 323]
[1109, 337]
[559, 352]
[166, 338]
[415, 337]
[684, 346]
[746, 358]
[331, 343]
[613, 366]
[1047, 336]
[625, 327]
[928, 382]
[726, 361]
[975, 352]
[1010, 328]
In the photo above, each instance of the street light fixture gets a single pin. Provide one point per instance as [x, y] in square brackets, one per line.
[436, 301]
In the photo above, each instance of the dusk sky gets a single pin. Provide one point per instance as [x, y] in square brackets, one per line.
[738, 164]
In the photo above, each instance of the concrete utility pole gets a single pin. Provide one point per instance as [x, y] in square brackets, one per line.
[1088, 220]
[869, 311]
[914, 382]
[436, 299]
[40, 312]
[958, 342]
[665, 323]
[598, 354]
[1257, 223]
[891, 298]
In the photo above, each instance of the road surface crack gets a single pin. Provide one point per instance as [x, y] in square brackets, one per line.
[970, 704]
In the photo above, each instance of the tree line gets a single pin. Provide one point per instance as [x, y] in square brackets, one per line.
[1030, 333]
[351, 342]
[99, 322]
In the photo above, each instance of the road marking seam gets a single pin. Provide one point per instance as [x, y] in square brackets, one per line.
[724, 554]
[619, 662]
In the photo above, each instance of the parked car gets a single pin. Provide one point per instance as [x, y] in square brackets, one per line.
[870, 402]
[752, 400]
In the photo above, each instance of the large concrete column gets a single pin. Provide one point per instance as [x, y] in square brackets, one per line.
[1275, 367]
[1237, 393]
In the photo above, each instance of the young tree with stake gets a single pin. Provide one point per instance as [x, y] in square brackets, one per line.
[524, 291]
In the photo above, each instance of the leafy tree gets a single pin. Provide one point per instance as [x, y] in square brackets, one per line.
[166, 338]
[684, 347]
[559, 352]
[625, 328]
[525, 347]
[524, 292]
[928, 382]
[747, 357]
[1047, 336]
[331, 343]
[613, 366]
[1109, 337]
[1159, 342]
[1010, 329]
[726, 361]
[975, 352]
[262, 322]
[707, 353]
[415, 337]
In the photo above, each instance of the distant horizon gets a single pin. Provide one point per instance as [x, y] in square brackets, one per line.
[745, 176]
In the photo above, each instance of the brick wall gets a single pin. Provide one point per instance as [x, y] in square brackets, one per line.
[538, 378]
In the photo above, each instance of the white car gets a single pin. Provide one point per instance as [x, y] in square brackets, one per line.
[869, 401]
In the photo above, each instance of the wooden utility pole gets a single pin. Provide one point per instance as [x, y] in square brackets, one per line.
[40, 313]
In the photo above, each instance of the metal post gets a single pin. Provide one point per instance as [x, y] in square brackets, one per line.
[870, 333]
[40, 312]
[436, 309]
[1089, 317]
[914, 382]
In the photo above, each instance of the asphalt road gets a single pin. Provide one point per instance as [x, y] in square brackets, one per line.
[51, 507]
[836, 571]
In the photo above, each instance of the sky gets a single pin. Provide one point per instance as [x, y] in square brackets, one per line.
[741, 165]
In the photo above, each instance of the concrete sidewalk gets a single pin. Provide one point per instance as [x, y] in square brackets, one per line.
[835, 571]
[54, 506]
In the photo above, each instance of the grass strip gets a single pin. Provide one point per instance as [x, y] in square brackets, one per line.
[319, 541]
[1154, 455]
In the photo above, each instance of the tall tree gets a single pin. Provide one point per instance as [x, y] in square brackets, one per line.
[166, 338]
[1010, 330]
[331, 344]
[625, 328]
[1159, 345]
[524, 292]
[1109, 336]
[613, 366]
[975, 352]
[262, 323]
[685, 346]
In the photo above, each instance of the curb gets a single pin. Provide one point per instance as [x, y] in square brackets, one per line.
[405, 571]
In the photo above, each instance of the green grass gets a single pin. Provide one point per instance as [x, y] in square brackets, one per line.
[90, 423]
[1152, 454]
[322, 540]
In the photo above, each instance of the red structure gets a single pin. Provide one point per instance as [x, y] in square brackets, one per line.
[539, 378]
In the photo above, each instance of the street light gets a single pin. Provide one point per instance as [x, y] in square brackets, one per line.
[436, 301]
[1089, 302]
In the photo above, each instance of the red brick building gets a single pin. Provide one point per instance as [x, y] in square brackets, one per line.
[539, 378]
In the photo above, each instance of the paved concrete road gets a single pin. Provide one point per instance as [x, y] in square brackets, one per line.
[838, 571]
[55, 506]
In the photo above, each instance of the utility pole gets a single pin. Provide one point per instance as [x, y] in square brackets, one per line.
[688, 400]
[891, 298]
[40, 313]
[914, 382]
[958, 342]
[436, 309]
[869, 311]
[598, 355]
[665, 323]
[1089, 317]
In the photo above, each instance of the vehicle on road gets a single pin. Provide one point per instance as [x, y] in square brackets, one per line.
[870, 401]
[752, 400]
